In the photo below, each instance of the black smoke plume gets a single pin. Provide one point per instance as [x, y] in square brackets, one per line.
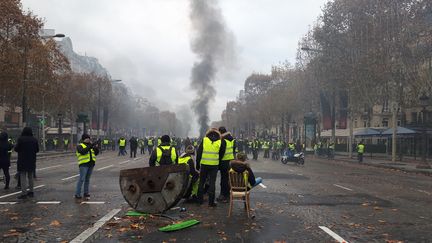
[211, 43]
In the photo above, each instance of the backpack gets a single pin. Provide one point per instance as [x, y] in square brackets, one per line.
[166, 156]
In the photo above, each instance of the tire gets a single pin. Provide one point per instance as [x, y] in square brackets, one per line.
[301, 161]
[284, 161]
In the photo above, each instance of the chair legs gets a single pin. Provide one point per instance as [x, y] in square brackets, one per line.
[230, 206]
[247, 205]
[246, 201]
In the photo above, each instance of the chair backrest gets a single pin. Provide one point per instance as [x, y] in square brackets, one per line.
[238, 181]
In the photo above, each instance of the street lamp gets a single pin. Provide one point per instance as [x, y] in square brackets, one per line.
[424, 102]
[24, 82]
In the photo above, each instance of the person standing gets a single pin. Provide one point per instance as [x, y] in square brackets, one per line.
[360, 151]
[86, 153]
[150, 143]
[164, 154]
[66, 144]
[133, 144]
[209, 153]
[27, 147]
[255, 147]
[141, 145]
[122, 146]
[225, 164]
[5, 149]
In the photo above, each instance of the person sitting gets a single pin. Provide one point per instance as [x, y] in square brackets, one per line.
[239, 165]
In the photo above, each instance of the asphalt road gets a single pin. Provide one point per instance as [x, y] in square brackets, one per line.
[323, 201]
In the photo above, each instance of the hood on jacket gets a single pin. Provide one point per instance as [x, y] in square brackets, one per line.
[239, 166]
[3, 137]
[227, 136]
[27, 132]
[213, 134]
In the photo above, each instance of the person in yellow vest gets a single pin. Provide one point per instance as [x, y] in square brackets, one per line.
[122, 146]
[187, 159]
[66, 144]
[224, 164]
[86, 154]
[150, 144]
[360, 151]
[164, 154]
[209, 153]
[106, 143]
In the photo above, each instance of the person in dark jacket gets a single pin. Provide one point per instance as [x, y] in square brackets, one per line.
[210, 152]
[224, 164]
[157, 153]
[86, 154]
[239, 165]
[5, 148]
[133, 144]
[27, 147]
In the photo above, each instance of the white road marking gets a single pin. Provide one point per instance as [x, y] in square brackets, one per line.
[290, 170]
[345, 188]
[50, 167]
[333, 234]
[300, 174]
[124, 162]
[136, 158]
[262, 185]
[106, 167]
[48, 202]
[90, 231]
[89, 202]
[8, 203]
[70, 177]
[428, 193]
[16, 193]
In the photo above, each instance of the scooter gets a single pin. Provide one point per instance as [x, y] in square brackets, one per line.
[290, 156]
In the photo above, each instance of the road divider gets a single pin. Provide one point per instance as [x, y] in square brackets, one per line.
[90, 231]
[18, 192]
[345, 188]
[70, 177]
[333, 234]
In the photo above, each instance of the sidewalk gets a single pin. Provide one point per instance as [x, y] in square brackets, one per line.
[406, 165]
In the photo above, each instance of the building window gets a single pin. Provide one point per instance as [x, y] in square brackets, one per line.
[355, 123]
[414, 117]
[385, 107]
[385, 122]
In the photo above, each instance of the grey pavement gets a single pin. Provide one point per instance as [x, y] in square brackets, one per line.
[358, 203]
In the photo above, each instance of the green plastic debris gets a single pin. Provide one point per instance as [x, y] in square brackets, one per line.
[179, 226]
[135, 214]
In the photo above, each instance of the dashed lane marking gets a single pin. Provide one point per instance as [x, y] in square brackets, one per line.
[345, 188]
[50, 167]
[136, 158]
[90, 231]
[16, 193]
[333, 234]
[106, 167]
[263, 186]
[70, 177]
[90, 202]
[8, 203]
[124, 162]
[48, 202]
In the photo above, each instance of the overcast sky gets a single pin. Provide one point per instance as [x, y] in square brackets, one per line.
[146, 43]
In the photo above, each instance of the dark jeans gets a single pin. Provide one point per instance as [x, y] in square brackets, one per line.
[85, 174]
[150, 149]
[133, 152]
[26, 175]
[211, 172]
[142, 150]
[6, 175]
[224, 182]
[255, 154]
[360, 157]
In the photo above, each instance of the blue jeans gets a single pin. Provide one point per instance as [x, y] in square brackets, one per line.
[85, 173]
[258, 181]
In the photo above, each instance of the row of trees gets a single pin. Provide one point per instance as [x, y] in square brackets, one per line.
[366, 52]
[33, 65]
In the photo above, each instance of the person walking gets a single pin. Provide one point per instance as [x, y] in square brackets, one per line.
[360, 151]
[141, 145]
[122, 146]
[224, 164]
[27, 147]
[150, 143]
[5, 149]
[209, 153]
[86, 153]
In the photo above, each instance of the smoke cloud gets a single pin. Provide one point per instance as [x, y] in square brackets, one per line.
[212, 43]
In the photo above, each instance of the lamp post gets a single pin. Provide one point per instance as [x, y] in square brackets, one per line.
[25, 74]
[99, 105]
[424, 102]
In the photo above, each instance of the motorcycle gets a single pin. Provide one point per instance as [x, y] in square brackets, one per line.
[290, 156]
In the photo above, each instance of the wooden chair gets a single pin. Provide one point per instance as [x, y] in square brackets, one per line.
[239, 190]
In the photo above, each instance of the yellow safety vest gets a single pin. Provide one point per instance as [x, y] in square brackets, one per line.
[106, 141]
[159, 154]
[122, 143]
[150, 142]
[184, 160]
[229, 151]
[210, 154]
[360, 148]
[82, 159]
